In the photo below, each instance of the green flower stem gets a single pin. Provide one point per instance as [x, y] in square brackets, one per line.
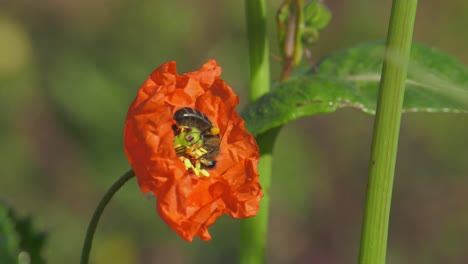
[386, 129]
[98, 212]
[258, 48]
[254, 230]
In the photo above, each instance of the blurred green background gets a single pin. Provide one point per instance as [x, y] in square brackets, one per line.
[70, 69]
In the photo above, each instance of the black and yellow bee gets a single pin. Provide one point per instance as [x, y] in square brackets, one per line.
[202, 137]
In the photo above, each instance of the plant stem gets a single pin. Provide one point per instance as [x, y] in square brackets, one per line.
[98, 212]
[386, 129]
[258, 48]
[254, 230]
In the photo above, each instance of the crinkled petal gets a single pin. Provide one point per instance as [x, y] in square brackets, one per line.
[187, 203]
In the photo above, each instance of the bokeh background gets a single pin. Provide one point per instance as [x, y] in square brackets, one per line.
[70, 69]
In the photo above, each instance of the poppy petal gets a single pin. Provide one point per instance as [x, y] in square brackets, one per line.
[189, 203]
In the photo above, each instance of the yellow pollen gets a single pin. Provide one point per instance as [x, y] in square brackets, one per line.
[195, 168]
[205, 173]
[199, 152]
[214, 131]
[187, 163]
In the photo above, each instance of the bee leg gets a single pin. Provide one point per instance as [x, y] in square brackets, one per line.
[180, 150]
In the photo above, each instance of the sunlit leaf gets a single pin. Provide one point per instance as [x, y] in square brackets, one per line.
[350, 78]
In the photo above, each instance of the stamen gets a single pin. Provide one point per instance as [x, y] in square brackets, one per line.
[188, 145]
[205, 173]
[188, 164]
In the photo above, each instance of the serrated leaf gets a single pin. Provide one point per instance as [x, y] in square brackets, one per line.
[350, 78]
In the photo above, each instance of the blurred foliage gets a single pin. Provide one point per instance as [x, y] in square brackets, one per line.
[69, 70]
[299, 26]
[9, 244]
[19, 241]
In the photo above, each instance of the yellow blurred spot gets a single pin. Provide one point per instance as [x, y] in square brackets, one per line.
[115, 249]
[15, 48]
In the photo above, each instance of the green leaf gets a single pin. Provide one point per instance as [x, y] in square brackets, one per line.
[8, 239]
[350, 78]
[31, 241]
[316, 15]
[19, 241]
[302, 24]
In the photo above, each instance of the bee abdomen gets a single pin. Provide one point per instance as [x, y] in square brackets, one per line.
[191, 117]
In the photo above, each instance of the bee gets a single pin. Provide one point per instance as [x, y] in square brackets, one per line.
[200, 135]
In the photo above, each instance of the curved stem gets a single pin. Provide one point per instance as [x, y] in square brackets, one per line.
[98, 212]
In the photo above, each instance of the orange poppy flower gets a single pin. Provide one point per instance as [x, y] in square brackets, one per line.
[193, 188]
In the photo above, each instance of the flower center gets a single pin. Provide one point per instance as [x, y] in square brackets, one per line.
[194, 148]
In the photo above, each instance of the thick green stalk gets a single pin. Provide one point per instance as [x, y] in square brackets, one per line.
[254, 230]
[386, 130]
[98, 212]
[258, 48]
